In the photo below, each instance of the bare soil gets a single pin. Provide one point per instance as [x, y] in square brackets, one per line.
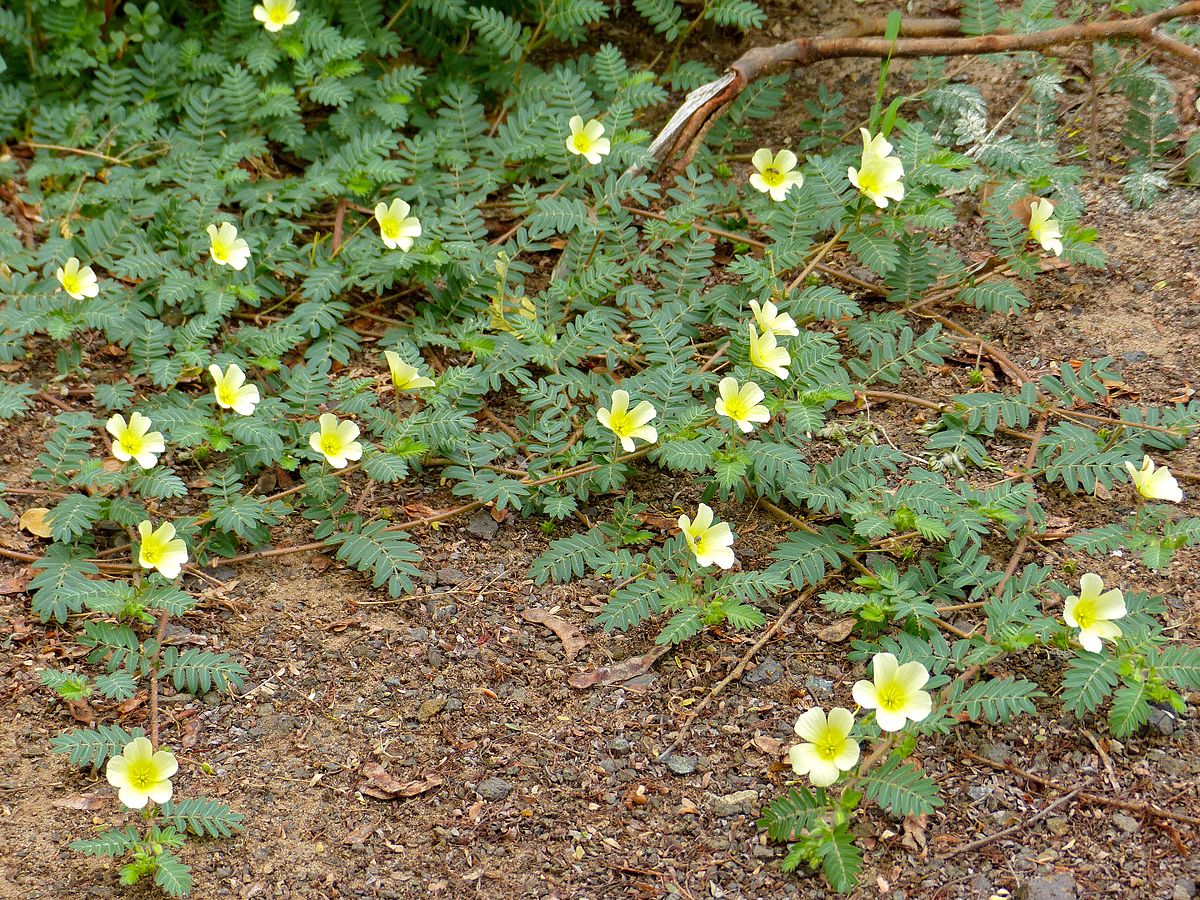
[523, 786]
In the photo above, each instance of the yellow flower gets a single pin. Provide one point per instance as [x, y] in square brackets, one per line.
[880, 173]
[771, 319]
[336, 441]
[396, 226]
[1093, 612]
[709, 543]
[895, 694]
[78, 281]
[586, 140]
[135, 441]
[404, 376]
[627, 423]
[231, 391]
[161, 549]
[775, 175]
[1154, 483]
[226, 248]
[1044, 229]
[141, 774]
[765, 355]
[743, 404]
[829, 750]
[274, 14]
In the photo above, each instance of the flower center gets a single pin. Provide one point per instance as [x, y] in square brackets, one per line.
[142, 775]
[331, 445]
[220, 250]
[71, 283]
[737, 408]
[132, 442]
[390, 228]
[621, 424]
[152, 551]
[772, 176]
[1085, 615]
[582, 142]
[827, 746]
[891, 698]
[227, 395]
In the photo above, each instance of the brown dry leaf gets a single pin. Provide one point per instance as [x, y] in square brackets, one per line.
[382, 785]
[34, 521]
[572, 638]
[14, 585]
[85, 802]
[773, 747]
[81, 711]
[836, 632]
[914, 833]
[359, 835]
[320, 562]
[622, 671]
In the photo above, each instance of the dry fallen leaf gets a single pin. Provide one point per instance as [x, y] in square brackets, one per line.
[382, 785]
[14, 585]
[836, 632]
[34, 521]
[359, 835]
[622, 671]
[85, 802]
[572, 638]
[773, 747]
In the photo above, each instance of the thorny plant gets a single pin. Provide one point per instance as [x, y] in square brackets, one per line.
[258, 211]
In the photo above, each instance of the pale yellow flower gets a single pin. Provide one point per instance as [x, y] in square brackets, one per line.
[1044, 229]
[231, 391]
[275, 14]
[710, 544]
[775, 175]
[1155, 483]
[1093, 612]
[226, 248]
[78, 281]
[141, 774]
[879, 175]
[404, 376]
[587, 140]
[336, 441]
[161, 550]
[829, 750]
[135, 440]
[766, 355]
[397, 228]
[771, 319]
[895, 693]
[627, 423]
[742, 404]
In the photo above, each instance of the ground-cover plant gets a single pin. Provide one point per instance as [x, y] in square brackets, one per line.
[330, 248]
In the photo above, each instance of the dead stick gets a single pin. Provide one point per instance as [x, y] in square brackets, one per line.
[1146, 809]
[983, 841]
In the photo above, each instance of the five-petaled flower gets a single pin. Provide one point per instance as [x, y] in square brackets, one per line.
[775, 175]
[226, 248]
[1155, 483]
[769, 318]
[588, 140]
[1093, 612]
[710, 544]
[627, 423]
[336, 441]
[275, 14]
[879, 175]
[1044, 229]
[404, 376]
[135, 440]
[742, 404]
[766, 355]
[895, 693]
[829, 750]
[161, 549]
[397, 228]
[231, 391]
[78, 281]
[141, 774]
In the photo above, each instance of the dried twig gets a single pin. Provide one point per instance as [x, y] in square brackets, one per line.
[1020, 826]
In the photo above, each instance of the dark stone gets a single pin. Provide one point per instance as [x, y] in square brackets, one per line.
[768, 671]
[1060, 886]
[681, 763]
[482, 525]
[493, 788]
